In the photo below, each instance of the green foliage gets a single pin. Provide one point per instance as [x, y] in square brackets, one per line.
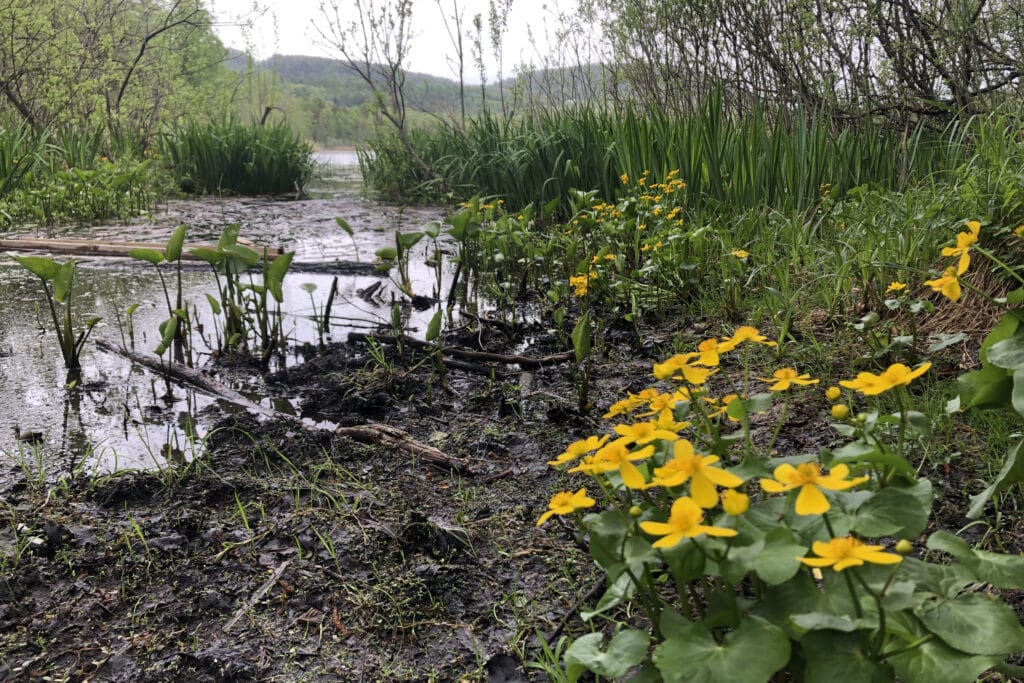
[58, 287]
[226, 156]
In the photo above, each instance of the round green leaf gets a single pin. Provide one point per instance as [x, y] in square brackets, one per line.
[750, 654]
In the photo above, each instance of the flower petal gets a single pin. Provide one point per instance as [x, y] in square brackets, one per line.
[811, 501]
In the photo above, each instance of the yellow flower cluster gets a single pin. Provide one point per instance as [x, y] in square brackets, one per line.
[581, 283]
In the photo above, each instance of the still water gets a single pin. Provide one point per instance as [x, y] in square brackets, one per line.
[119, 415]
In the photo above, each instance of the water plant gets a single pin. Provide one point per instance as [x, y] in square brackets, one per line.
[178, 318]
[60, 277]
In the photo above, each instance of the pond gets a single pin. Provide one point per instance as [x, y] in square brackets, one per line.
[118, 415]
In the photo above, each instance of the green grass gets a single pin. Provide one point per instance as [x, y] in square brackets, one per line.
[227, 157]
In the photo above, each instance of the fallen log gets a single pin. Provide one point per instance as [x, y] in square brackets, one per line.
[105, 248]
[466, 354]
[387, 436]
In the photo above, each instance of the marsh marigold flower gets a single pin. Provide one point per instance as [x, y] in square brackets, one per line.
[843, 553]
[643, 433]
[840, 412]
[735, 503]
[808, 478]
[784, 378]
[833, 393]
[579, 448]
[740, 253]
[566, 503]
[948, 284]
[699, 470]
[895, 286]
[895, 375]
[746, 333]
[681, 366]
[684, 522]
[616, 457]
[964, 242]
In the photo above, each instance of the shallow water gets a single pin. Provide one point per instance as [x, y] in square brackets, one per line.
[119, 415]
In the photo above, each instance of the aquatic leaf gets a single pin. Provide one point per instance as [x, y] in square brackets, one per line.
[148, 255]
[343, 224]
[434, 327]
[246, 254]
[386, 253]
[43, 268]
[168, 329]
[211, 256]
[408, 240]
[214, 304]
[626, 649]
[63, 281]
[275, 273]
[173, 250]
[432, 229]
[581, 338]
[229, 236]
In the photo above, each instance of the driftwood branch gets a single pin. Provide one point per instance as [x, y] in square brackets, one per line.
[466, 354]
[256, 597]
[387, 436]
[105, 248]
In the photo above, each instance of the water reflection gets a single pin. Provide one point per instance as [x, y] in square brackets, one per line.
[118, 415]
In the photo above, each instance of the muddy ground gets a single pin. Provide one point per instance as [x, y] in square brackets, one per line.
[287, 554]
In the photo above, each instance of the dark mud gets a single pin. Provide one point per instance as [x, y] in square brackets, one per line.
[288, 554]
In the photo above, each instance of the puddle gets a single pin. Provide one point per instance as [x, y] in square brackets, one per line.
[121, 416]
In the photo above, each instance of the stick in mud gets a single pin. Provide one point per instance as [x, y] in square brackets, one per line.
[388, 436]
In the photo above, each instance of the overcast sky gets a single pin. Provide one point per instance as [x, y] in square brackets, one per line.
[285, 27]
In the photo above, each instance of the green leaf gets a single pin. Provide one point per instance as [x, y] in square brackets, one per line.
[832, 656]
[1011, 473]
[432, 229]
[229, 236]
[168, 329]
[1002, 571]
[250, 257]
[750, 654]
[919, 422]
[985, 388]
[153, 256]
[386, 254]
[343, 224]
[974, 623]
[581, 337]
[43, 268]
[626, 649]
[408, 240]
[214, 304]
[1004, 329]
[622, 588]
[275, 272]
[1017, 396]
[943, 579]
[173, 249]
[434, 327]
[63, 281]
[826, 621]
[1015, 297]
[1008, 353]
[892, 511]
[936, 662]
[211, 256]
[780, 559]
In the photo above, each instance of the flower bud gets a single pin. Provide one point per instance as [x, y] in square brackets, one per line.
[904, 547]
[636, 511]
[840, 412]
[833, 393]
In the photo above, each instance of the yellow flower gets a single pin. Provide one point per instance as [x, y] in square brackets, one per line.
[643, 433]
[840, 412]
[684, 522]
[623, 407]
[833, 393]
[808, 477]
[846, 552]
[698, 469]
[680, 367]
[581, 283]
[624, 178]
[746, 333]
[565, 503]
[895, 286]
[616, 456]
[579, 448]
[784, 378]
[1019, 231]
[739, 253]
[964, 241]
[948, 284]
[895, 375]
[735, 503]
[709, 350]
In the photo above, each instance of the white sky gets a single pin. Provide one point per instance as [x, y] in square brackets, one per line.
[285, 27]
